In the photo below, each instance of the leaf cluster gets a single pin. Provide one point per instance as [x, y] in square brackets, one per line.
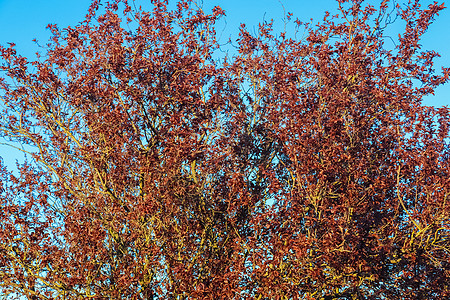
[297, 168]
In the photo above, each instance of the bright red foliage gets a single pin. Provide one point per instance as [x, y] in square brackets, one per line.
[296, 169]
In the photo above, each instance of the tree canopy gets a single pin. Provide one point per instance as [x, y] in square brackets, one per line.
[301, 165]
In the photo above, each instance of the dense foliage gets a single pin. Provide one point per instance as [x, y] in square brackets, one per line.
[160, 168]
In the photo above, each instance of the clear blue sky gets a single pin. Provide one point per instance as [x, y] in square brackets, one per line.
[23, 20]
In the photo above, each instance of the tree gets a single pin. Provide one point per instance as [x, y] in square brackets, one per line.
[295, 169]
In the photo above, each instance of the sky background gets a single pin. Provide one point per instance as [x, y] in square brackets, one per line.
[23, 20]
